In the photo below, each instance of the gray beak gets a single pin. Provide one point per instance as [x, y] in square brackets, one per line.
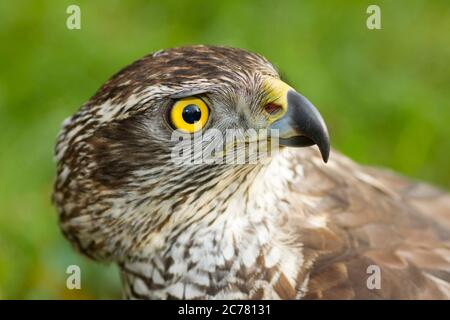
[302, 125]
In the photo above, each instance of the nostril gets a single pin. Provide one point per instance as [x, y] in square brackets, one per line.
[272, 108]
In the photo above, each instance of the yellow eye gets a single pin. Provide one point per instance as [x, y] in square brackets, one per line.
[189, 114]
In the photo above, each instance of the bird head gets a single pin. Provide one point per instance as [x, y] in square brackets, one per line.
[118, 189]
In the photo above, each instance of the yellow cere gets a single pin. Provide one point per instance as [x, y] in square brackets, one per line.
[179, 122]
[277, 91]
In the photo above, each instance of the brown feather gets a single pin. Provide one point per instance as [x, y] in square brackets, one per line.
[374, 217]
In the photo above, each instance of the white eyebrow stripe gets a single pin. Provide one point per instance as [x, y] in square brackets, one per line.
[188, 93]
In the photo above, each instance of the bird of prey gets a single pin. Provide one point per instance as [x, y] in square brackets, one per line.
[287, 227]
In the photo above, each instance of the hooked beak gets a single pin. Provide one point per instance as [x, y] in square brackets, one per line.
[302, 125]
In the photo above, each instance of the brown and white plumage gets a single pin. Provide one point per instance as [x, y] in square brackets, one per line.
[372, 217]
[287, 227]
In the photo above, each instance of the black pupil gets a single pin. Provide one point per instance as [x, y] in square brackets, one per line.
[191, 113]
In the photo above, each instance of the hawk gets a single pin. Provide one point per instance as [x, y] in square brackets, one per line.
[289, 226]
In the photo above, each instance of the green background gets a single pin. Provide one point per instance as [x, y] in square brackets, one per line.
[384, 94]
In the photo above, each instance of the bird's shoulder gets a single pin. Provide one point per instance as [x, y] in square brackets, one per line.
[356, 223]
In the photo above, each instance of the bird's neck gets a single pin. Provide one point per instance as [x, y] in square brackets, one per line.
[236, 250]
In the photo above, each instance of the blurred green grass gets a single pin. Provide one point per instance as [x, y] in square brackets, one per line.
[385, 95]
